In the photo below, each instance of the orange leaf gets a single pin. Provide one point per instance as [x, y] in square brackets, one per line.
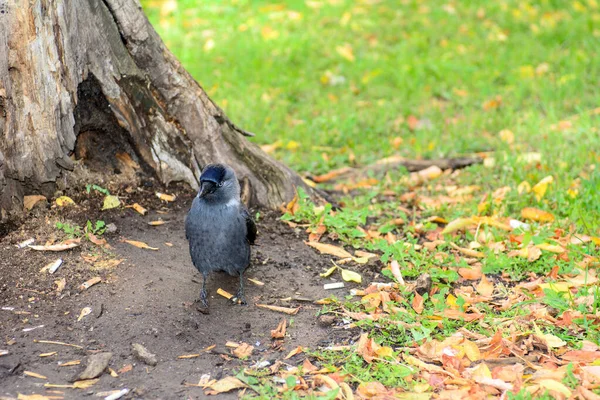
[294, 352]
[330, 249]
[471, 274]
[485, 287]
[417, 303]
[279, 332]
[535, 214]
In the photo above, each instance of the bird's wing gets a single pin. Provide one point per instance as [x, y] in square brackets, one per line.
[250, 226]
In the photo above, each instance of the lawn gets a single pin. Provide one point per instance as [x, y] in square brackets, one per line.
[510, 244]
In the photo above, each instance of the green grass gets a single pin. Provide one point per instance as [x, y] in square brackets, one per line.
[337, 83]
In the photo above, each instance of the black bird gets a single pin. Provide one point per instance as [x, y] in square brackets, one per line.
[219, 228]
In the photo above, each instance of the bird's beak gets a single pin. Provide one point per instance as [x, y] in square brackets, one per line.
[206, 187]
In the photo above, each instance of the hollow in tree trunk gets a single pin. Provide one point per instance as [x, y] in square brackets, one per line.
[90, 81]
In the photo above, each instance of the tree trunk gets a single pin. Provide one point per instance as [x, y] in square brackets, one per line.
[91, 80]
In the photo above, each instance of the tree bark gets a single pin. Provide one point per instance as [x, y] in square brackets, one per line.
[92, 80]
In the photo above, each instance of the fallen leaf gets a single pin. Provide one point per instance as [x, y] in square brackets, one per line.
[97, 241]
[553, 248]
[331, 175]
[346, 52]
[294, 352]
[329, 272]
[468, 252]
[535, 214]
[84, 312]
[66, 245]
[140, 245]
[256, 282]
[63, 201]
[52, 353]
[285, 310]
[551, 341]
[471, 273]
[417, 303]
[110, 202]
[225, 385]
[555, 386]
[395, 268]
[30, 201]
[34, 375]
[330, 249]
[350, 276]
[540, 188]
[457, 224]
[471, 350]
[485, 287]
[244, 350]
[279, 332]
[32, 397]
[166, 197]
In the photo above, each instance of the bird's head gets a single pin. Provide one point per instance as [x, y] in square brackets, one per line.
[218, 183]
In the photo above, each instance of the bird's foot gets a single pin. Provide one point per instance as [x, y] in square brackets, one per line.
[239, 298]
[202, 303]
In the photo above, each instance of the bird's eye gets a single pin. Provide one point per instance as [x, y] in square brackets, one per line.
[220, 184]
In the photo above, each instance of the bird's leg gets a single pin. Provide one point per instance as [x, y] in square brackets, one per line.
[203, 296]
[240, 293]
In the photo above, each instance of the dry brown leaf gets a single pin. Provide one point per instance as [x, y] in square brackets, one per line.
[472, 273]
[294, 352]
[52, 353]
[97, 241]
[330, 249]
[417, 303]
[244, 350]
[140, 245]
[84, 384]
[30, 201]
[279, 332]
[66, 245]
[285, 310]
[468, 252]
[225, 385]
[485, 287]
[535, 214]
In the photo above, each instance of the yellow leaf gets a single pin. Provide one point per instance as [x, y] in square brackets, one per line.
[294, 352]
[269, 33]
[551, 340]
[32, 397]
[346, 52]
[225, 385]
[384, 351]
[481, 371]
[111, 201]
[553, 248]
[329, 272]
[244, 350]
[535, 214]
[557, 286]
[330, 249]
[140, 245]
[472, 351]
[524, 187]
[209, 45]
[555, 386]
[507, 136]
[458, 224]
[451, 301]
[350, 276]
[541, 187]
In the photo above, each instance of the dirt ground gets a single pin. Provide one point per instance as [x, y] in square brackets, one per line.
[148, 299]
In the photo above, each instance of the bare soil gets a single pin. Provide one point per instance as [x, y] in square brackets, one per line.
[149, 298]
